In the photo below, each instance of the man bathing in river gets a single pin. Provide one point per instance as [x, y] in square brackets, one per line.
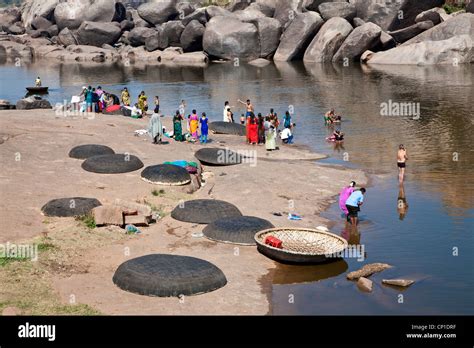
[402, 157]
[249, 107]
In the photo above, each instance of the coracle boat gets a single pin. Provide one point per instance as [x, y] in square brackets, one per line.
[37, 90]
[301, 245]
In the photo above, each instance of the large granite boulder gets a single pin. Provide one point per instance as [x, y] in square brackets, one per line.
[286, 10]
[342, 9]
[173, 31]
[33, 102]
[328, 40]
[9, 16]
[298, 36]
[216, 11]
[269, 32]
[462, 24]
[249, 15]
[192, 36]
[361, 39]
[405, 34]
[238, 5]
[227, 38]
[34, 8]
[158, 40]
[199, 15]
[158, 11]
[410, 9]
[393, 15]
[40, 23]
[98, 34]
[138, 36]
[67, 38]
[457, 49]
[72, 13]
[16, 29]
[267, 8]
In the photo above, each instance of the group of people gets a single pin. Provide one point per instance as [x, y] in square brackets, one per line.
[95, 99]
[140, 108]
[330, 117]
[262, 129]
[351, 199]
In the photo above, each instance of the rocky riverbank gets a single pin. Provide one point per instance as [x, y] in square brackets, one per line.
[188, 33]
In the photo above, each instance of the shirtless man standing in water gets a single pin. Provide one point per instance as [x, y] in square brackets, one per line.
[402, 157]
[248, 106]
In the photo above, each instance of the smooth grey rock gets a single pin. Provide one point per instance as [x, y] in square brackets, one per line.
[328, 40]
[158, 11]
[33, 102]
[173, 31]
[269, 32]
[192, 36]
[460, 25]
[67, 38]
[298, 36]
[227, 38]
[72, 13]
[342, 9]
[97, 34]
[361, 39]
[138, 36]
[458, 49]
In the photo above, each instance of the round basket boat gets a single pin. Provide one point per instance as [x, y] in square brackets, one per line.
[301, 245]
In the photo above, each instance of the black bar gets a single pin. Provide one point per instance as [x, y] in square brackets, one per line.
[291, 331]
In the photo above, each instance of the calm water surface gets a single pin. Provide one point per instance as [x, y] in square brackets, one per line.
[439, 187]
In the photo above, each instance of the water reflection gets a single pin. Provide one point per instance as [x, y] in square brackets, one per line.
[351, 233]
[291, 274]
[402, 204]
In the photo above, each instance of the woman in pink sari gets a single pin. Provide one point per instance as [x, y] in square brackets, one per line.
[345, 193]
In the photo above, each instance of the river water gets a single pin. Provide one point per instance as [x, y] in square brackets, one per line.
[431, 241]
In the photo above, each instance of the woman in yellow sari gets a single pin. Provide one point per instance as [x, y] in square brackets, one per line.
[125, 97]
[143, 103]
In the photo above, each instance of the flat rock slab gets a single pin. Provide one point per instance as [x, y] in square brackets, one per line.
[166, 174]
[133, 208]
[164, 275]
[227, 128]
[218, 157]
[67, 207]
[368, 270]
[108, 215]
[398, 282]
[112, 164]
[236, 230]
[204, 211]
[90, 150]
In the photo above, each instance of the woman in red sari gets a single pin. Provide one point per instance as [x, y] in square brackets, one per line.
[253, 130]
